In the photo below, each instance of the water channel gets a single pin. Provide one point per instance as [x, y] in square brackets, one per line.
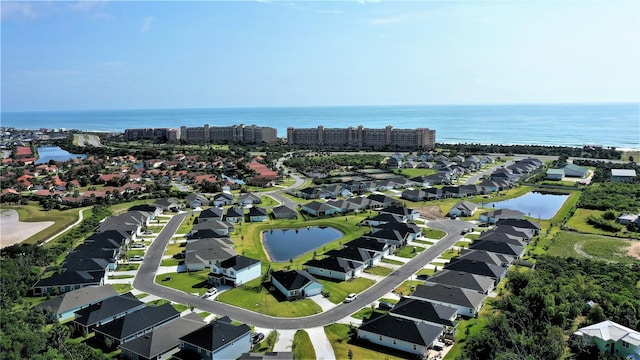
[48, 153]
[533, 204]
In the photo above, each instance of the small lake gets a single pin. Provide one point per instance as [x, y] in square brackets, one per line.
[533, 204]
[48, 153]
[284, 244]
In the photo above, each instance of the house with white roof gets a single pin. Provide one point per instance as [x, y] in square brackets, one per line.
[612, 339]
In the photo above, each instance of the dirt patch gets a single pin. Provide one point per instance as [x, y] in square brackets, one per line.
[634, 249]
[430, 212]
[14, 231]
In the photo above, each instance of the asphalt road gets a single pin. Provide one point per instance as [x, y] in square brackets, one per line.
[144, 281]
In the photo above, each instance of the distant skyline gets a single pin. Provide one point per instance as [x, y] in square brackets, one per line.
[100, 55]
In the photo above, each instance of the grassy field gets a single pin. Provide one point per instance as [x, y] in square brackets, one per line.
[411, 173]
[302, 346]
[379, 270]
[194, 282]
[578, 222]
[595, 246]
[407, 287]
[33, 212]
[255, 297]
[339, 290]
[342, 343]
[433, 234]
[409, 251]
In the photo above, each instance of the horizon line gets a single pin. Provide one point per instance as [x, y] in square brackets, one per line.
[328, 106]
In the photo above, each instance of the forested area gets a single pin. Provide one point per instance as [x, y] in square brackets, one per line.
[23, 330]
[599, 153]
[541, 306]
[325, 164]
[611, 196]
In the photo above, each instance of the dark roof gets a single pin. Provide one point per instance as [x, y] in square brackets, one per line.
[386, 217]
[484, 256]
[333, 264]
[351, 253]
[216, 335]
[78, 298]
[235, 212]
[282, 209]
[137, 321]
[497, 247]
[519, 223]
[294, 279]
[238, 262]
[71, 277]
[387, 234]
[501, 237]
[257, 211]
[399, 210]
[423, 310]
[319, 206]
[449, 295]
[145, 208]
[214, 212]
[463, 279]
[477, 267]
[410, 331]
[164, 338]
[403, 228]
[368, 243]
[382, 199]
[107, 308]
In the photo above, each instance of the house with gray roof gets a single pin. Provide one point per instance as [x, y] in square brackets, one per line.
[485, 256]
[235, 271]
[202, 253]
[247, 199]
[220, 228]
[497, 273]
[463, 279]
[318, 208]
[623, 175]
[410, 336]
[214, 213]
[258, 214]
[197, 200]
[404, 212]
[334, 268]
[64, 306]
[284, 212]
[221, 339]
[295, 284]
[500, 214]
[467, 302]
[223, 198]
[498, 247]
[163, 341]
[424, 311]
[86, 319]
[235, 215]
[463, 209]
[414, 195]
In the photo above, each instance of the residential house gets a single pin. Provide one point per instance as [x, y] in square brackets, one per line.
[214, 213]
[220, 228]
[398, 333]
[414, 195]
[295, 284]
[356, 255]
[334, 268]
[258, 214]
[523, 225]
[135, 324]
[463, 279]
[221, 339]
[498, 247]
[169, 204]
[406, 213]
[364, 203]
[197, 200]
[235, 271]
[378, 248]
[383, 199]
[383, 219]
[162, 342]
[484, 256]
[408, 231]
[64, 306]
[344, 206]
[427, 312]
[555, 174]
[317, 208]
[623, 175]
[249, 199]
[223, 199]
[463, 209]
[500, 214]
[497, 273]
[312, 193]
[235, 215]
[626, 219]
[612, 339]
[109, 309]
[573, 170]
[284, 212]
[467, 302]
[335, 190]
[392, 237]
[203, 253]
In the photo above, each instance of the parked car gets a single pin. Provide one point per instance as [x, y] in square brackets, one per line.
[385, 305]
[351, 297]
[137, 246]
[210, 293]
[148, 232]
[136, 258]
[256, 338]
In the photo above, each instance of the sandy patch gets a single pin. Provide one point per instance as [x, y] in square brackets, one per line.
[13, 231]
[634, 249]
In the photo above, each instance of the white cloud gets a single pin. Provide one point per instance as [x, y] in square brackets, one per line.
[17, 10]
[146, 24]
[389, 20]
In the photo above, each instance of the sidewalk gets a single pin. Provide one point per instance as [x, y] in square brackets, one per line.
[321, 343]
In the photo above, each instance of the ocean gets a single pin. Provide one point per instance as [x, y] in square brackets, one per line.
[610, 125]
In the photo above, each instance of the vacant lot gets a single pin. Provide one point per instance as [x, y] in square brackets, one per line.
[597, 247]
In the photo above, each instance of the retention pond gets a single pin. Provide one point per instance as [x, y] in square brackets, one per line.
[284, 244]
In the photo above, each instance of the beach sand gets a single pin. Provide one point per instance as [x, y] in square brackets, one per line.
[14, 231]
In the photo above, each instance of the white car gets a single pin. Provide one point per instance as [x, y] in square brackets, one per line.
[210, 293]
[136, 258]
[351, 297]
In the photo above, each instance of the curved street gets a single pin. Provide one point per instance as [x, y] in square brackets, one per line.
[145, 281]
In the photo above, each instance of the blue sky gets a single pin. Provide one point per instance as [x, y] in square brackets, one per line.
[135, 55]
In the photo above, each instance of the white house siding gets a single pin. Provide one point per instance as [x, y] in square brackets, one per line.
[389, 342]
[329, 273]
[464, 311]
[248, 274]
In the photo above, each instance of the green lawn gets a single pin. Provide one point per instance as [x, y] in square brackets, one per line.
[462, 244]
[123, 207]
[268, 202]
[267, 344]
[433, 233]
[339, 290]
[597, 246]
[194, 282]
[175, 247]
[114, 277]
[578, 222]
[255, 297]
[424, 242]
[409, 251]
[171, 262]
[450, 253]
[122, 288]
[341, 341]
[187, 223]
[33, 212]
[391, 261]
[426, 272]
[406, 287]
[302, 346]
[379, 270]
[411, 173]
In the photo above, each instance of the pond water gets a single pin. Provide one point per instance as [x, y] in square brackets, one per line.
[55, 153]
[284, 244]
[533, 204]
